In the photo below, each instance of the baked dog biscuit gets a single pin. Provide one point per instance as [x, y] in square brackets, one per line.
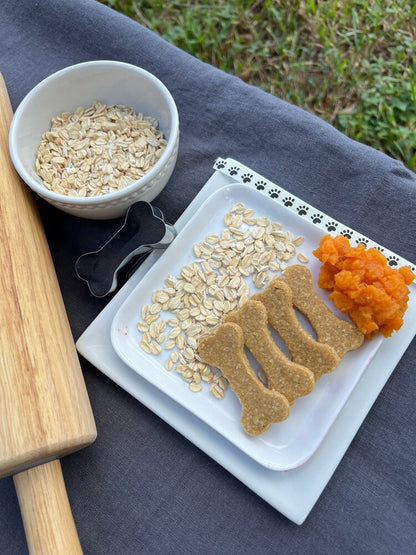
[341, 335]
[318, 357]
[283, 375]
[260, 406]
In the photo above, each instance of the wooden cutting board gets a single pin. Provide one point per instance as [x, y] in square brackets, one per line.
[45, 412]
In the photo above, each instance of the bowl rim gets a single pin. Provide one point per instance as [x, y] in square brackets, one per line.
[108, 197]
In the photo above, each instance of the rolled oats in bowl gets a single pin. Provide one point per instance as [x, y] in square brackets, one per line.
[98, 150]
[96, 137]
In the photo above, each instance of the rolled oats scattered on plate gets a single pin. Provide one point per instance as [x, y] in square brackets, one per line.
[248, 252]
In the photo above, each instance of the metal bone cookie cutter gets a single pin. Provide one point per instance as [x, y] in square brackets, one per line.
[143, 231]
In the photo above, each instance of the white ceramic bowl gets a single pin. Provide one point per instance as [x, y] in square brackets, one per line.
[109, 82]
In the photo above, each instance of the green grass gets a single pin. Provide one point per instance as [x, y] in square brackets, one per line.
[351, 62]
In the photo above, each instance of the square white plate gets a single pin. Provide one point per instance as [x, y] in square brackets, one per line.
[285, 445]
[293, 493]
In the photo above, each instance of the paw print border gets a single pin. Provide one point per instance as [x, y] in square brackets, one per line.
[239, 173]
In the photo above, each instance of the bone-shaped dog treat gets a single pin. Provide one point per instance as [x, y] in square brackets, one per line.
[318, 357]
[261, 407]
[291, 379]
[341, 335]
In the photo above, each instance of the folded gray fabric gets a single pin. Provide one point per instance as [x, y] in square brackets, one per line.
[142, 488]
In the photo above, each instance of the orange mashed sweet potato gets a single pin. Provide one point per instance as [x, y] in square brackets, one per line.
[363, 285]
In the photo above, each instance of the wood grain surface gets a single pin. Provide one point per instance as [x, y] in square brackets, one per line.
[44, 405]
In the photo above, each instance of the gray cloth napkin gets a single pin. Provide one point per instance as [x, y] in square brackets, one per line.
[142, 487]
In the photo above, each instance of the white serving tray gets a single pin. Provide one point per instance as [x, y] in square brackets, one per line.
[294, 492]
[285, 445]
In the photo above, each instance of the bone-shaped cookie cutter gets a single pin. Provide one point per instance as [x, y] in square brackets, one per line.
[144, 230]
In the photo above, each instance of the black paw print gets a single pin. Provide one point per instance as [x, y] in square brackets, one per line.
[288, 201]
[274, 193]
[381, 249]
[302, 209]
[331, 226]
[362, 240]
[392, 260]
[220, 165]
[260, 185]
[346, 233]
[316, 218]
[233, 170]
[247, 177]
